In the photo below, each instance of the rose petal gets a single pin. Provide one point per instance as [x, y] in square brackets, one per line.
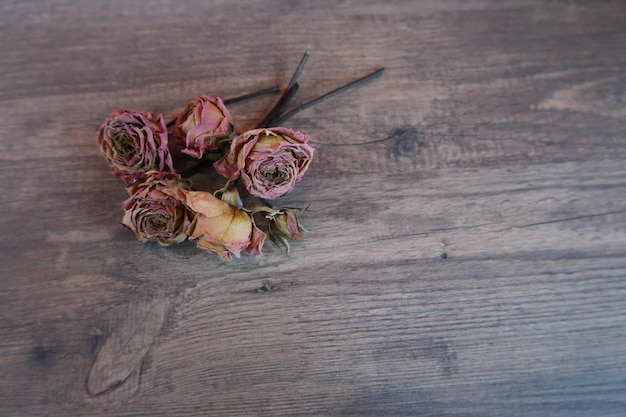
[270, 160]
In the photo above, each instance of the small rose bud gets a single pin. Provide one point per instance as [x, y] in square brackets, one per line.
[134, 143]
[269, 161]
[232, 197]
[156, 211]
[203, 124]
[222, 229]
[286, 225]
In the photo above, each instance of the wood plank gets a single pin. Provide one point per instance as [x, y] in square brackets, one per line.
[466, 250]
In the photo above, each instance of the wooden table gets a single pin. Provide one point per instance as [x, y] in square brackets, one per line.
[466, 253]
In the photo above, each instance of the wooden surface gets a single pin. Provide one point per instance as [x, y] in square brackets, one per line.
[467, 244]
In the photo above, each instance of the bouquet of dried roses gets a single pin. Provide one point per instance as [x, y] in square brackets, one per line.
[266, 161]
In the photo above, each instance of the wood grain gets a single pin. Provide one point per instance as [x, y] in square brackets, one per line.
[466, 253]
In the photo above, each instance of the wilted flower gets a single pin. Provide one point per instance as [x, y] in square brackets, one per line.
[203, 123]
[285, 224]
[134, 143]
[156, 211]
[221, 228]
[269, 161]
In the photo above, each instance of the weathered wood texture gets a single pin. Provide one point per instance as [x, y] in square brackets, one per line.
[497, 137]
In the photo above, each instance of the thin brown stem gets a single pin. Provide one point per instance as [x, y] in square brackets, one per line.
[275, 112]
[282, 101]
[279, 120]
[249, 96]
[196, 168]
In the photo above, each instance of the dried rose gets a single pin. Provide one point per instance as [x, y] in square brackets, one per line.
[221, 228]
[134, 143]
[203, 123]
[285, 224]
[269, 161]
[156, 209]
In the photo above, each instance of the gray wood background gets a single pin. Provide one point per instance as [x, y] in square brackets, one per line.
[497, 137]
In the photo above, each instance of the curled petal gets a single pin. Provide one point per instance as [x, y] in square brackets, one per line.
[256, 241]
[286, 225]
[155, 211]
[134, 143]
[203, 123]
[269, 161]
[221, 228]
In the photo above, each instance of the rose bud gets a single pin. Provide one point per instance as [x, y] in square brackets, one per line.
[269, 161]
[221, 228]
[156, 211]
[285, 224]
[203, 124]
[134, 143]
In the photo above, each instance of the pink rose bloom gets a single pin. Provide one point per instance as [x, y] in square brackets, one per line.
[134, 143]
[156, 209]
[203, 124]
[269, 161]
[222, 229]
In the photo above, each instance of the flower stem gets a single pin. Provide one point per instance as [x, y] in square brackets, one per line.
[196, 168]
[280, 104]
[259, 93]
[287, 94]
[326, 96]
[296, 74]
